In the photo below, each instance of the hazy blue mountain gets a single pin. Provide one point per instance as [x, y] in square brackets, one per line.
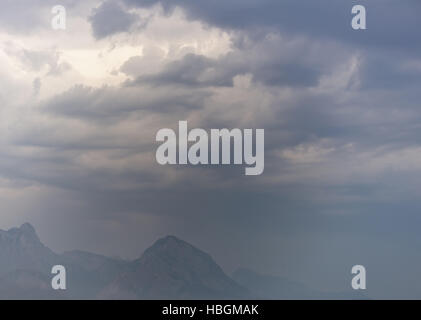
[28, 284]
[20, 249]
[174, 269]
[25, 268]
[88, 273]
[24, 265]
[169, 269]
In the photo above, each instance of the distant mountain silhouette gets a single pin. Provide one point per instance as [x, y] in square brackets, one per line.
[88, 273]
[25, 268]
[26, 285]
[169, 269]
[174, 269]
[24, 265]
[20, 248]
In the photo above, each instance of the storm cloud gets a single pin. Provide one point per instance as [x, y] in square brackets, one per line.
[80, 110]
[110, 18]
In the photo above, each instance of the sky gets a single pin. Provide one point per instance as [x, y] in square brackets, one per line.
[80, 108]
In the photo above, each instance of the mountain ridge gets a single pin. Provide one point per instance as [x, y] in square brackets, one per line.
[174, 269]
[170, 268]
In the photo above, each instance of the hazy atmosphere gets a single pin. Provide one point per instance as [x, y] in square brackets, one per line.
[80, 109]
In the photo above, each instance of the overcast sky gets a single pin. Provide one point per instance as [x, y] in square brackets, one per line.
[80, 108]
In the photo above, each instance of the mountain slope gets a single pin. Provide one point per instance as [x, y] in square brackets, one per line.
[89, 273]
[25, 265]
[21, 249]
[170, 269]
[25, 268]
[28, 285]
[174, 269]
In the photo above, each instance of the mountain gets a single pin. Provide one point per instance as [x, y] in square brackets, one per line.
[26, 263]
[88, 273]
[170, 269]
[28, 285]
[174, 269]
[20, 248]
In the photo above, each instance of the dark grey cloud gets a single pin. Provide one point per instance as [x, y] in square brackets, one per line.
[323, 19]
[192, 70]
[110, 18]
[111, 105]
[389, 70]
[268, 69]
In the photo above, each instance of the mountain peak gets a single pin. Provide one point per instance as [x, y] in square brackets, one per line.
[27, 228]
[21, 249]
[25, 237]
[171, 246]
[172, 268]
[170, 240]
[28, 233]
